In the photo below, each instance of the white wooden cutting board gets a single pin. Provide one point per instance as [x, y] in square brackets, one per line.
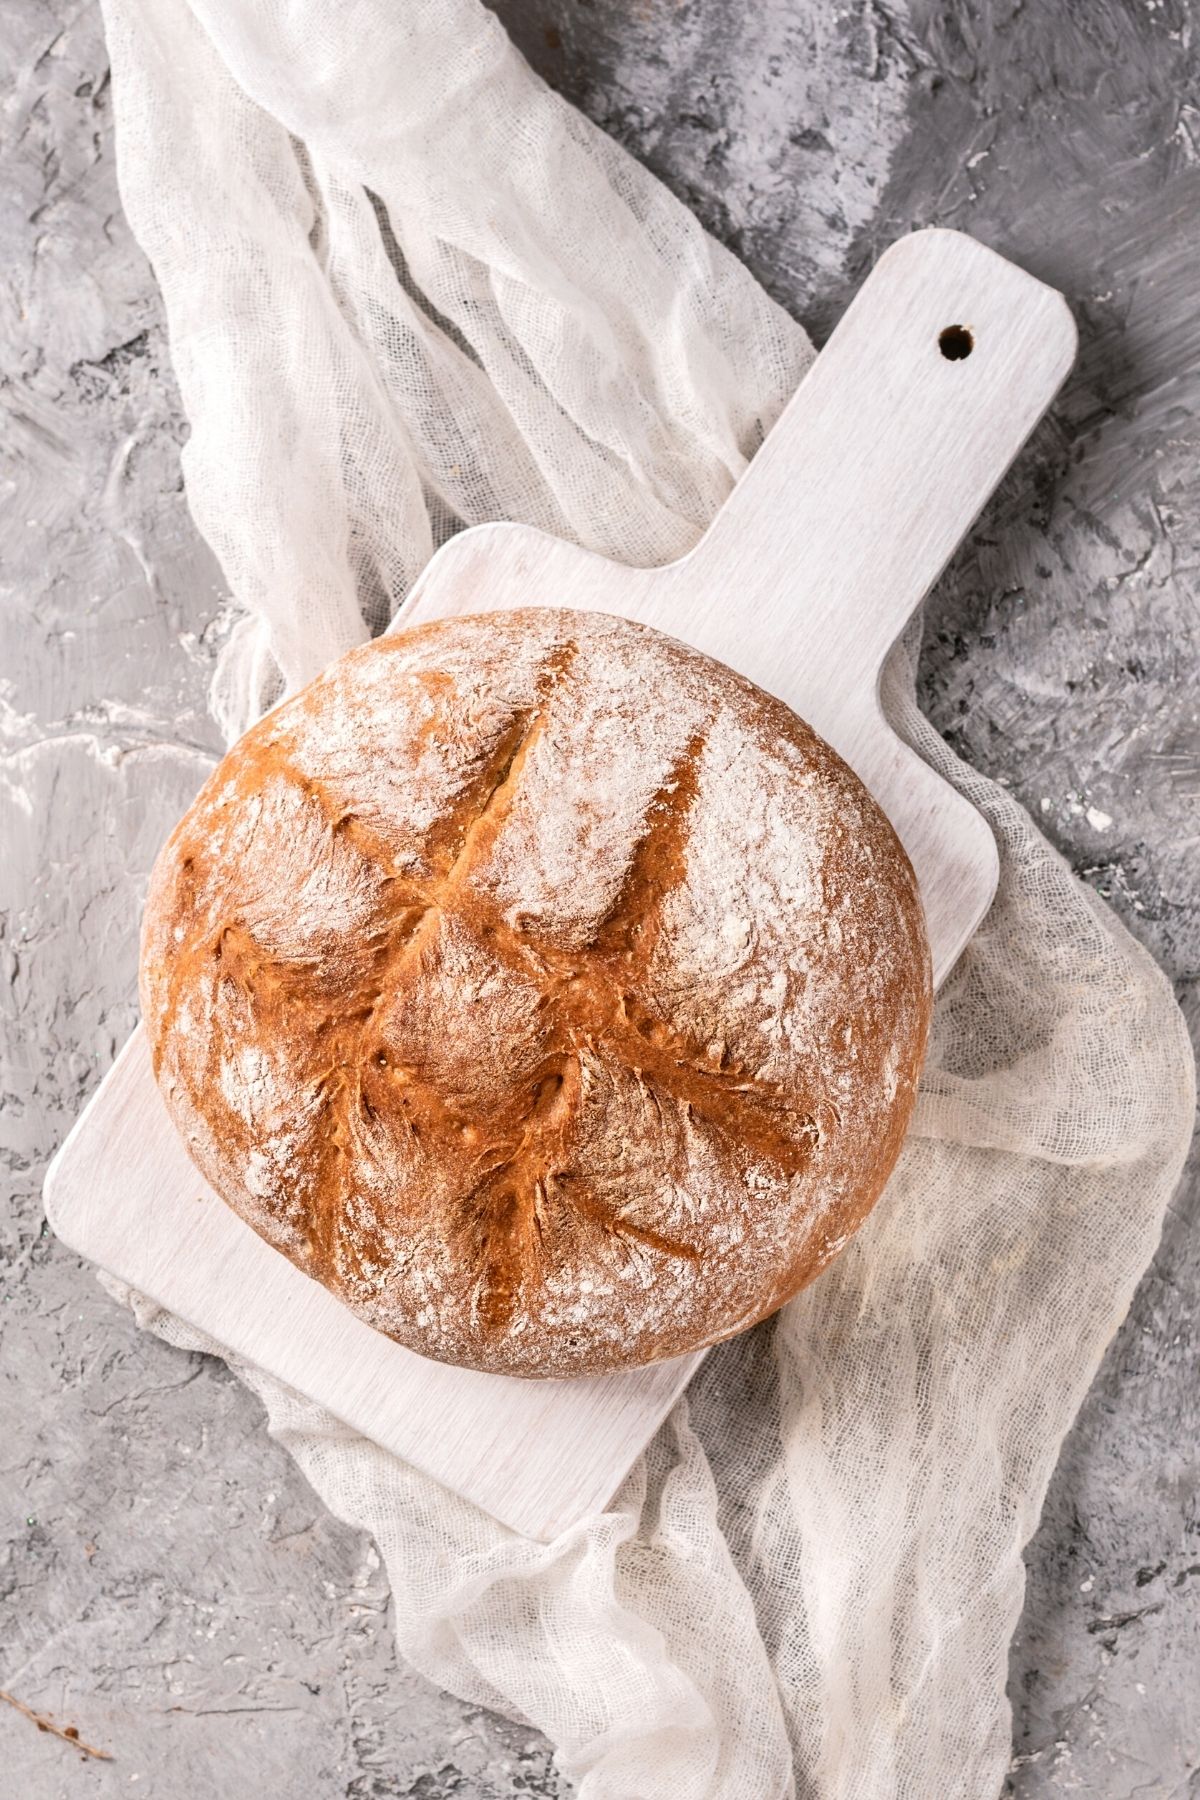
[843, 522]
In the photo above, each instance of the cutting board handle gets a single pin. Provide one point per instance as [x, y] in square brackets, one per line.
[893, 442]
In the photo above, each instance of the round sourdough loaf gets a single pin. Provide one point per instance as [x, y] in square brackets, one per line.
[546, 990]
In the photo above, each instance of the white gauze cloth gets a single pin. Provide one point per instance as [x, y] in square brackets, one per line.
[408, 288]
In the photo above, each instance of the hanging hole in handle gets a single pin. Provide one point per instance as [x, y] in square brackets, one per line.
[955, 342]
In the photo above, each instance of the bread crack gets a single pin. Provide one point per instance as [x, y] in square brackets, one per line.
[471, 1124]
[589, 1001]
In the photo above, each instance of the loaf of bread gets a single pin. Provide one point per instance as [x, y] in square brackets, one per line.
[545, 989]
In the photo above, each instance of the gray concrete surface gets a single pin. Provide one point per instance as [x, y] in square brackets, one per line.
[168, 1583]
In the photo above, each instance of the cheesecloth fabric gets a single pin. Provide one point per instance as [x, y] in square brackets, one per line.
[408, 288]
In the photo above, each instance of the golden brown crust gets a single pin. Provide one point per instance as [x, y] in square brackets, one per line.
[548, 991]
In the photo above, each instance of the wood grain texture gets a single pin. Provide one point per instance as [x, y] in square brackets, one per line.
[846, 517]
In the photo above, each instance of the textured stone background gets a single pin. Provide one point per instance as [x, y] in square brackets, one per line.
[168, 1583]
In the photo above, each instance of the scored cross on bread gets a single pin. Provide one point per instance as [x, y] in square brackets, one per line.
[542, 987]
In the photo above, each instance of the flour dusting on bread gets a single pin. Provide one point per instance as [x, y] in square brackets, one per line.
[544, 988]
